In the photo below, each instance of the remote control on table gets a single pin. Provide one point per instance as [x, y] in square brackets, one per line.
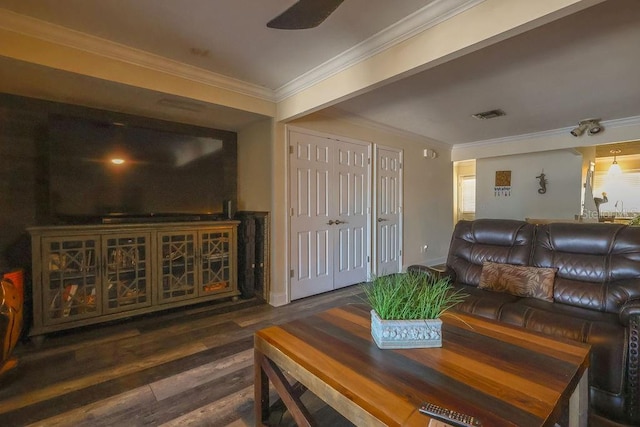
[449, 416]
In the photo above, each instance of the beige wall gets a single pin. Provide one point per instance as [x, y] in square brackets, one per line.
[563, 170]
[428, 194]
[280, 219]
[254, 166]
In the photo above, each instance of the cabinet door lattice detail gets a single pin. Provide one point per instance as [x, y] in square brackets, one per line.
[126, 272]
[72, 279]
[178, 273]
[215, 263]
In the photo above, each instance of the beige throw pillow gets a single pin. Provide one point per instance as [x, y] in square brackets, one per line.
[535, 282]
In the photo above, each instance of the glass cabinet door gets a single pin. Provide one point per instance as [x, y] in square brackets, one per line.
[215, 263]
[177, 270]
[127, 282]
[70, 278]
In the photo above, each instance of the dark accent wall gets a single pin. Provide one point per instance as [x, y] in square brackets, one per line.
[24, 174]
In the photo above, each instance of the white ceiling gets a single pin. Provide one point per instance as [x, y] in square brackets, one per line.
[233, 32]
[580, 66]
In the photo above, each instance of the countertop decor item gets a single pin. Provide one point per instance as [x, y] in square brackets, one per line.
[406, 309]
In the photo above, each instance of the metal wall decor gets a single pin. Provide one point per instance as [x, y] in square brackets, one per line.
[542, 181]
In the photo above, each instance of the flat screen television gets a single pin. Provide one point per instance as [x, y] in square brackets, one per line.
[108, 171]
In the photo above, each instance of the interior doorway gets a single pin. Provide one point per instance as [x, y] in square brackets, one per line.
[330, 218]
[464, 197]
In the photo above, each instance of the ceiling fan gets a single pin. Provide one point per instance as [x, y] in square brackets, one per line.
[304, 14]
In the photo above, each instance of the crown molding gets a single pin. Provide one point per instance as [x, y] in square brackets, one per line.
[434, 13]
[607, 124]
[49, 32]
[429, 16]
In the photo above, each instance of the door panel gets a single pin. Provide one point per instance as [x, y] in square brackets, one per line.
[303, 187]
[304, 255]
[388, 209]
[329, 220]
[323, 254]
[352, 172]
[310, 234]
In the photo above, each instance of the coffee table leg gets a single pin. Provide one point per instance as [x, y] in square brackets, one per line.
[261, 389]
[579, 403]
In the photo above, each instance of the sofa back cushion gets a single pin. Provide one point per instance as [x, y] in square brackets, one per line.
[494, 240]
[598, 265]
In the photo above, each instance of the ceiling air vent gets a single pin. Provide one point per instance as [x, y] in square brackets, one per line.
[489, 114]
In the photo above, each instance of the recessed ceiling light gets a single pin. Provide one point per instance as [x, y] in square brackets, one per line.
[492, 114]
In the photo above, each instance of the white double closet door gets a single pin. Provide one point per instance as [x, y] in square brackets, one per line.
[330, 213]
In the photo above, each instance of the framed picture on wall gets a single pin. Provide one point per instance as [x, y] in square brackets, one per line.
[502, 186]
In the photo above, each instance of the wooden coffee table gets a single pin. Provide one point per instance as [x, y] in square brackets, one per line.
[502, 375]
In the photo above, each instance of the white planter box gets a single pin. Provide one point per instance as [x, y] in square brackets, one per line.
[406, 333]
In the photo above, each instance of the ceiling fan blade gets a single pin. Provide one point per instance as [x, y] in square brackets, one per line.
[304, 14]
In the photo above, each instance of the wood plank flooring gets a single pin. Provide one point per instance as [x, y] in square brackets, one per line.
[189, 366]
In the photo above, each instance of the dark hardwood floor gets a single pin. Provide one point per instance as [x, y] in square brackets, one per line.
[185, 367]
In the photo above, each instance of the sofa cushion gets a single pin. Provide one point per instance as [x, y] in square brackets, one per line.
[598, 264]
[535, 282]
[481, 302]
[603, 331]
[474, 242]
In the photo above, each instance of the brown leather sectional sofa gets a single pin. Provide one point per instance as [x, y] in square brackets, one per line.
[596, 295]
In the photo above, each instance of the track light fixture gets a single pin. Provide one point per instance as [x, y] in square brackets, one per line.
[591, 126]
[579, 130]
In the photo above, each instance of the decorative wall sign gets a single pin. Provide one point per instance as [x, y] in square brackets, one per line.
[503, 184]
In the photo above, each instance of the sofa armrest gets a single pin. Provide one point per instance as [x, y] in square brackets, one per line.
[630, 318]
[437, 273]
[629, 310]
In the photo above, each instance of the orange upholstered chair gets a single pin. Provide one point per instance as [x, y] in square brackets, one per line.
[11, 302]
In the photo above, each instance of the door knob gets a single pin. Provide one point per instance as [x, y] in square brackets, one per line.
[331, 222]
[340, 222]
[382, 219]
